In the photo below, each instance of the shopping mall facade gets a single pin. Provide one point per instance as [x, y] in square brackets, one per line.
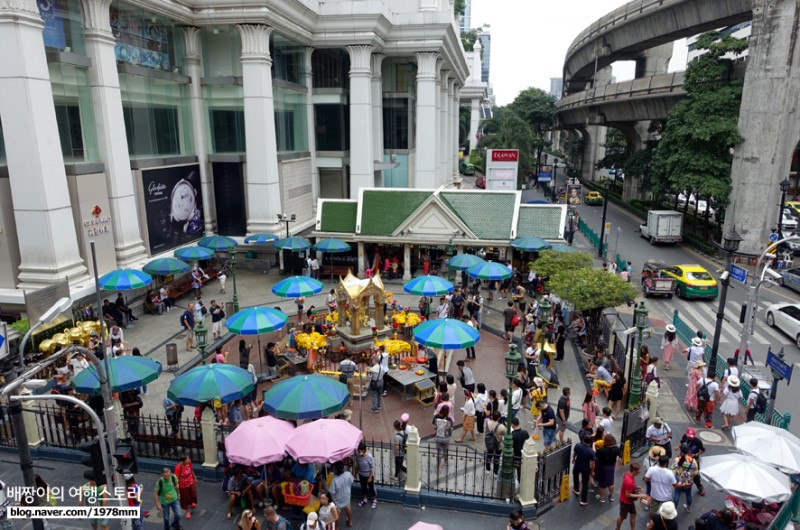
[141, 125]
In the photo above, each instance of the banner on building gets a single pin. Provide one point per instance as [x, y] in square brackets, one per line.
[140, 41]
[53, 32]
[173, 206]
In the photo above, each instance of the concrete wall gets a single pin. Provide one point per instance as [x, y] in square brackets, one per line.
[296, 188]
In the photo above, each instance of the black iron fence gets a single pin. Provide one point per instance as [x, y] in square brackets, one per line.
[634, 427]
[459, 470]
[7, 438]
[552, 468]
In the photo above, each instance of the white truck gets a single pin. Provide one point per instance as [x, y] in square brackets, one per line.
[663, 226]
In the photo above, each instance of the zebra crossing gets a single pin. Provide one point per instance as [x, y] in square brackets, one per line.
[702, 315]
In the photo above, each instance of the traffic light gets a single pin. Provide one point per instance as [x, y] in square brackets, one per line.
[94, 461]
[125, 458]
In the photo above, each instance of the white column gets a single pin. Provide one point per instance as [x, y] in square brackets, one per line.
[529, 466]
[474, 120]
[441, 137]
[362, 168]
[361, 260]
[191, 39]
[209, 439]
[263, 179]
[42, 210]
[427, 94]
[111, 138]
[377, 113]
[312, 136]
[406, 262]
[454, 123]
[413, 462]
[31, 423]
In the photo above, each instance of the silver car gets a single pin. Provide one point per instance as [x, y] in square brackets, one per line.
[791, 278]
[785, 317]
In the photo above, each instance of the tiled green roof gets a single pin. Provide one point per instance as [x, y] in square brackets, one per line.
[488, 215]
[383, 211]
[539, 222]
[338, 217]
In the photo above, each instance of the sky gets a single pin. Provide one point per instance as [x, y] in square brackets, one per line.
[530, 40]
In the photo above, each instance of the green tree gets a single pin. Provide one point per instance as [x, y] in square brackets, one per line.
[616, 147]
[538, 109]
[591, 291]
[551, 262]
[506, 130]
[464, 114]
[694, 153]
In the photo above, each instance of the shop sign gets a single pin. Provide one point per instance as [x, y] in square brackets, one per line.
[505, 155]
[98, 223]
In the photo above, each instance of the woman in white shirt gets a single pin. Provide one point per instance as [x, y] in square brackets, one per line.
[78, 363]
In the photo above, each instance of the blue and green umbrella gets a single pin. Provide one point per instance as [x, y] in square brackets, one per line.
[165, 266]
[530, 244]
[295, 244]
[332, 245]
[194, 253]
[305, 397]
[561, 247]
[446, 333]
[218, 243]
[428, 286]
[124, 280]
[125, 373]
[297, 286]
[462, 262]
[256, 320]
[490, 271]
[209, 382]
[260, 239]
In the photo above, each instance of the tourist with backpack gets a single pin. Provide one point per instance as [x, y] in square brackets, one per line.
[756, 400]
[399, 449]
[707, 394]
[167, 498]
[696, 448]
[273, 521]
[495, 431]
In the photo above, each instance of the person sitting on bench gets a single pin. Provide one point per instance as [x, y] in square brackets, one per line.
[111, 314]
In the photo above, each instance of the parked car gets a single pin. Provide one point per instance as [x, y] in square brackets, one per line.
[694, 204]
[785, 317]
[480, 182]
[465, 168]
[693, 281]
[788, 222]
[791, 278]
[593, 198]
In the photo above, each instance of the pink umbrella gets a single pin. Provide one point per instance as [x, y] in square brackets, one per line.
[323, 441]
[425, 526]
[258, 441]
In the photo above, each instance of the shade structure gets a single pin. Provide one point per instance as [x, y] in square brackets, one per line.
[771, 445]
[126, 373]
[165, 266]
[425, 526]
[428, 286]
[530, 244]
[297, 286]
[194, 253]
[124, 280]
[295, 244]
[258, 441]
[489, 271]
[256, 320]
[561, 247]
[332, 245]
[462, 262]
[323, 441]
[446, 333]
[218, 243]
[261, 239]
[209, 382]
[745, 477]
[305, 397]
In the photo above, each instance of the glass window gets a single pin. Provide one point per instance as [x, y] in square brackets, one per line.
[74, 114]
[291, 126]
[227, 130]
[332, 127]
[288, 60]
[145, 40]
[330, 68]
[63, 25]
[396, 123]
[222, 51]
[399, 75]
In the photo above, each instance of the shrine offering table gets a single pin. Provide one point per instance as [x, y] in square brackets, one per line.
[405, 381]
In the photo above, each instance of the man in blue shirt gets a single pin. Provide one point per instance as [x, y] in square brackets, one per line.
[583, 459]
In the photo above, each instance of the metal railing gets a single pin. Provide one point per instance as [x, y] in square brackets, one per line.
[458, 470]
[788, 512]
[591, 235]
[552, 467]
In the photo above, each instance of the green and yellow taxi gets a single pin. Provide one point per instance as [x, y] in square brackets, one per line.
[593, 198]
[693, 281]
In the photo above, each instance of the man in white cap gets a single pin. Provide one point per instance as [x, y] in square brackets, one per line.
[695, 352]
[312, 522]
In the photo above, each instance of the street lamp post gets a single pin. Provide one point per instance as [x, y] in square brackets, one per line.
[784, 185]
[730, 244]
[544, 320]
[507, 473]
[451, 251]
[555, 173]
[600, 249]
[201, 332]
[232, 254]
[640, 321]
[286, 218]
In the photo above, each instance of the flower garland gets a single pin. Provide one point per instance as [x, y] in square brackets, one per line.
[395, 347]
[406, 318]
[308, 341]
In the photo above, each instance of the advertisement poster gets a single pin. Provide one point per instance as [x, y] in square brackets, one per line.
[139, 41]
[53, 32]
[573, 194]
[173, 206]
[229, 198]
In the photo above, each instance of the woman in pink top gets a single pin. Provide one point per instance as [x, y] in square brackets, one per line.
[590, 409]
[444, 401]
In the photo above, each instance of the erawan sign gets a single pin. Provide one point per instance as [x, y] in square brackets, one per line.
[502, 166]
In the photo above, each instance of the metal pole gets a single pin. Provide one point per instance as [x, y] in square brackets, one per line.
[233, 274]
[780, 214]
[616, 243]
[507, 476]
[555, 173]
[630, 349]
[600, 253]
[723, 295]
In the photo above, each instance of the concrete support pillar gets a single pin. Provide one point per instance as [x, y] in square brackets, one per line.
[594, 149]
[31, 425]
[427, 95]
[454, 123]
[42, 209]
[377, 114]
[767, 121]
[474, 121]
[191, 39]
[651, 396]
[312, 136]
[654, 61]
[281, 266]
[406, 262]
[443, 133]
[413, 462]
[528, 470]
[362, 168]
[210, 459]
[111, 137]
[361, 260]
[262, 178]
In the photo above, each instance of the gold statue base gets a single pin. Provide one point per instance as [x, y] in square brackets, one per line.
[363, 340]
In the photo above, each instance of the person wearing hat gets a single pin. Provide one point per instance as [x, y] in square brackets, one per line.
[664, 518]
[651, 460]
[730, 406]
[662, 484]
[669, 343]
[660, 434]
[696, 448]
[695, 352]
